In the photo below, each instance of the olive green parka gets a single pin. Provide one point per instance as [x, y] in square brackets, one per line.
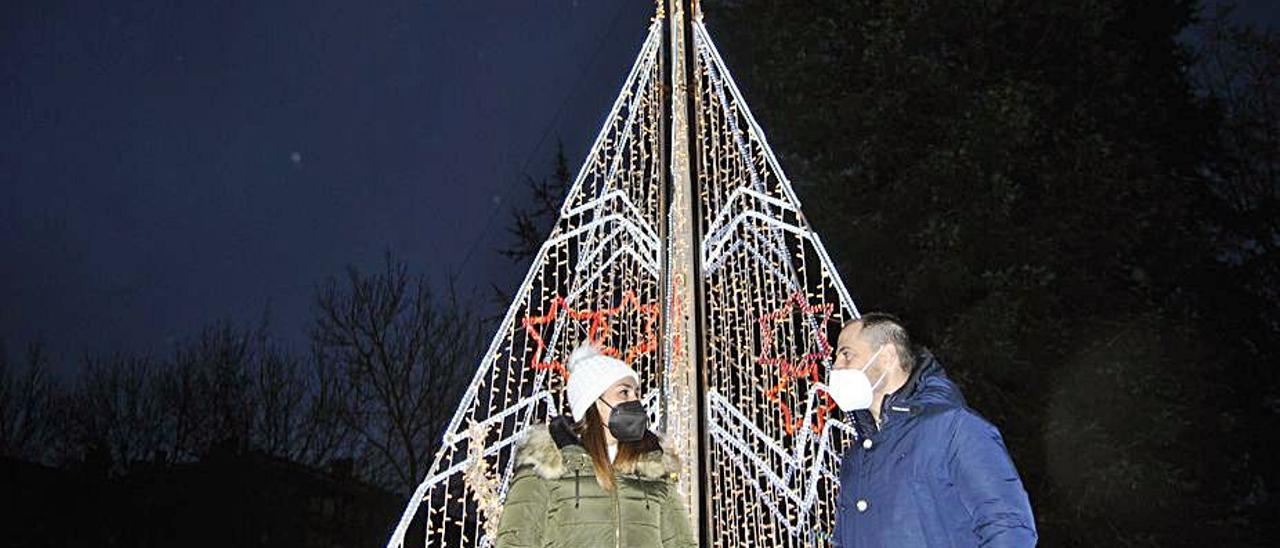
[554, 500]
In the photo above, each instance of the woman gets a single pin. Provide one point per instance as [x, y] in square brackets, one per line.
[600, 478]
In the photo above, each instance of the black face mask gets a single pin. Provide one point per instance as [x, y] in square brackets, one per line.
[628, 421]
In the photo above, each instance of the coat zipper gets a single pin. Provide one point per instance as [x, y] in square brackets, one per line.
[617, 519]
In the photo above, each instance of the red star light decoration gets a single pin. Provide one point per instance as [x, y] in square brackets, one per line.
[805, 366]
[598, 330]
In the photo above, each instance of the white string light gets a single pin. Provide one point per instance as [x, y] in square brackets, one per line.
[770, 477]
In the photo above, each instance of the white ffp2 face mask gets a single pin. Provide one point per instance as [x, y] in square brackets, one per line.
[851, 389]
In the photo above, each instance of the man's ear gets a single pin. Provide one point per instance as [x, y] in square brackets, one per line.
[890, 355]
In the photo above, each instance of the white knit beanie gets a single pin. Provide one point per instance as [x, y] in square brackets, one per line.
[590, 374]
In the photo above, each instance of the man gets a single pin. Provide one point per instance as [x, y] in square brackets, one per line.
[925, 470]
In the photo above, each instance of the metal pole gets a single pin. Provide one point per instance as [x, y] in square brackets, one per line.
[686, 369]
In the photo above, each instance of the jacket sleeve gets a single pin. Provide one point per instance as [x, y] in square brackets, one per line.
[840, 529]
[675, 521]
[524, 514]
[988, 484]
[837, 533]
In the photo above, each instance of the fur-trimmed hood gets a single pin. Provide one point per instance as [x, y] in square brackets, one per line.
[547, 446]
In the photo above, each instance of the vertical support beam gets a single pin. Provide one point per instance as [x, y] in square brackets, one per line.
[685, 310]
[684, 375]
[706, 527]
[665, 289]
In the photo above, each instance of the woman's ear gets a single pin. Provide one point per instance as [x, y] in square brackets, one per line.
[602, 409]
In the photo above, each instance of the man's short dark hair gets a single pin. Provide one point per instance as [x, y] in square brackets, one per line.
[879, 328]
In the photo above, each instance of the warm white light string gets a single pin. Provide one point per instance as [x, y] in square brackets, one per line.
[757, 254]
[611, 210]
[756, 231]
[700, 30]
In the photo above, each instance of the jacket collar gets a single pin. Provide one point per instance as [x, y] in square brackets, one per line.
[927, 386]
[553, 450]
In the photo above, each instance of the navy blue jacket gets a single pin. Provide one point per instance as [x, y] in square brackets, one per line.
[933, 474]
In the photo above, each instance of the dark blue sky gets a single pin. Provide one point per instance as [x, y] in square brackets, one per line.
[167, 164]
[171, 163]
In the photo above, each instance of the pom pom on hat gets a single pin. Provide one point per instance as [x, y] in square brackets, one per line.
[590, 374]
[582, 352]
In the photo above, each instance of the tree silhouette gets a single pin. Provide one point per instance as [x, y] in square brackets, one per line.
[398, 355]
[29, 399]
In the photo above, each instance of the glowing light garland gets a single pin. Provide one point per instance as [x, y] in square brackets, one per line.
[774, 448]
[805, 367]
[597, 333]
[622, 268]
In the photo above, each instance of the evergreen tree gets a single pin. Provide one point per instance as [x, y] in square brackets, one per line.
[1024, 182]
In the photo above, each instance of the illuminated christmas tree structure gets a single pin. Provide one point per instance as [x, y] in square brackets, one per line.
[681, 249]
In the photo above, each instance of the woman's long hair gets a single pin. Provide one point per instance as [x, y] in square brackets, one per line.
[591, 430]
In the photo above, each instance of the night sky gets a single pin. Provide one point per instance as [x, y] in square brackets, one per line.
[169, 164]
